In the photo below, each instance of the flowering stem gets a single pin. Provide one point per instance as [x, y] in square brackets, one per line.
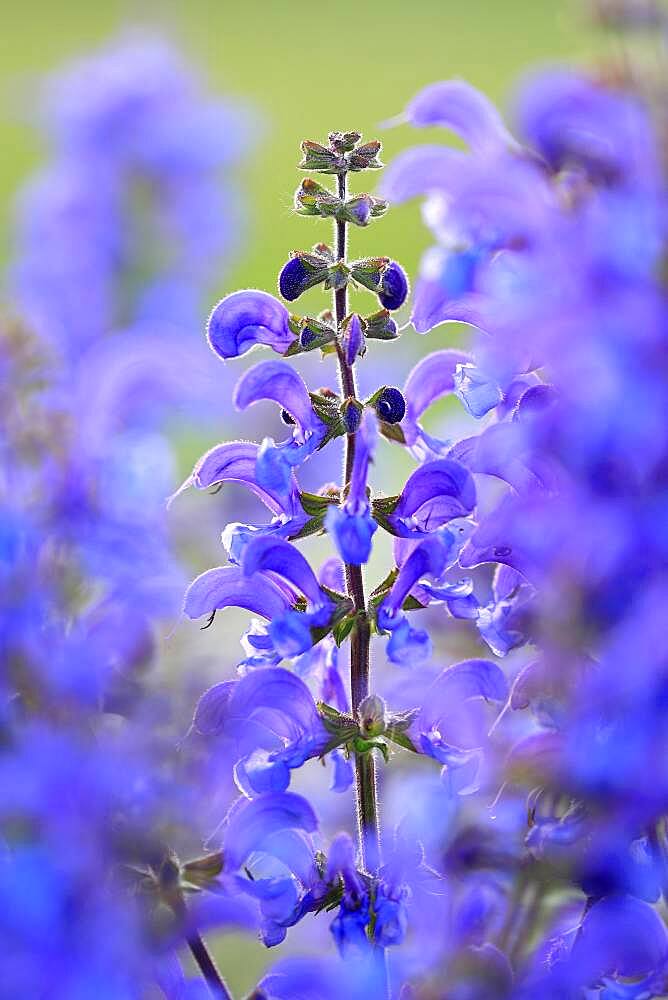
[365, 771]
[207, 966]
[217, 985]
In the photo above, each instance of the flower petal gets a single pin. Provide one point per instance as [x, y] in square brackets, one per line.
[278, 381]
[429, 558]
[429, 380]
[246, 318]
[456, 105]
[254, 822]
[274, 555]
[227, 586]
[234, 462]
[435, 493]
[422, 170]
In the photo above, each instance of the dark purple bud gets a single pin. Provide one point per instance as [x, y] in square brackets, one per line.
[351, 412]
[302, 271]
[307, 337]
[352, 339]
[393, 286]
[390, 405]
[293, 279]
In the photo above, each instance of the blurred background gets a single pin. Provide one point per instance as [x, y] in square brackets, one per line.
[304, 69]
[296, 70]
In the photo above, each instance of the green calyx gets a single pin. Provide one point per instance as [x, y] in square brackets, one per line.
[343, 154]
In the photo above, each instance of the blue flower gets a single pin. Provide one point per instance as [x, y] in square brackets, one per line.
[407, 645]
[447, 731]
[351, 524]
[277, 381]
[289, 630]
[272, 720]
[434, 494]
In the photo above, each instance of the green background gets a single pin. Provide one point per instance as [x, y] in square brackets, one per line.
[306, 68]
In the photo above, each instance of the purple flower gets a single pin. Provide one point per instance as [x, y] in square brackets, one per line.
[407, 645]
[271, 718]
[448, 727]
[277, 381]
[456, 105]
[431, 379]
[291, 630]
[434, 494]
[349, 926]
[243, 319]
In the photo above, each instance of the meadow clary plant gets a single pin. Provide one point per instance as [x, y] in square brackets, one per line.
[549, 876]
[303, 615]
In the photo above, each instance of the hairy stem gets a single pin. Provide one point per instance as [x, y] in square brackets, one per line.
[365, 770]
[207, 966]
[368, 826]
[217, 985]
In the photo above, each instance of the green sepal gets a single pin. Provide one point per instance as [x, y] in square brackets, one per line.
[397, 726]
[337, 276]
[295, 323]
[344, 142]
[368, 271]
[201, 872]
[325, 251]
[331, 899]
[360, 745]
[312, 198]
[343, 630]
[392, 432]
[315, 505]
[401, 739]
[365, 157]
[323, 334]
[320, 158]
[313, 526]
[380, 326]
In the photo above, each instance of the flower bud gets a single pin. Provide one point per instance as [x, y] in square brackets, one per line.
[371, 715]
[320, 158]
[368, 271]
[393, 286]
[344, 142]
[358, 210]
[389, 404]
[302, 271]
[351, 414]
[380, 326]
[352, 338]
[312, 198]
[365, 157]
